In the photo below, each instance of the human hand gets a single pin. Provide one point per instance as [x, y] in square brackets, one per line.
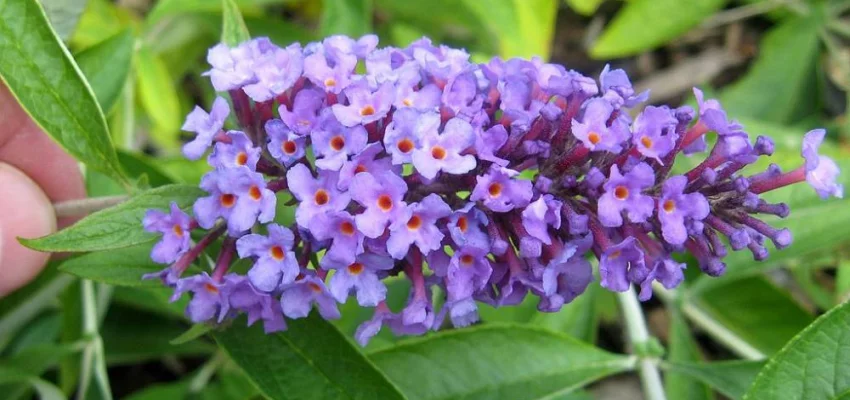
[34, 173]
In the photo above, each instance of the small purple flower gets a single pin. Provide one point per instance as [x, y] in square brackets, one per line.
[821, 171]
[333, 142]
[240, 152]
[297, 298]
[347, 241]
[465, 227]
[424, 99]
[500, 192]
[362, 277]
[442, 152]
[405, 132]
[468, 271]
[620, 264]
[489, 142]
[565, 277]
[208, 299]
[367, 330]
[315, 195]
[305, 111]
[276, 73]
[648, 132]
[239, 196]
[462, 312]
[418, 225]
[175, 227]
[364, 106]
[331, 75]
[243, 297]
[666, 271]
[616, 84]
[676, 207]
[285, 145]
[624, 193]
[383, 197]
[593, 130]
[233, 68]
[460, 95]
[275, 261]
[365, 161]
[732, 140]
[539, 215]
[206, 126]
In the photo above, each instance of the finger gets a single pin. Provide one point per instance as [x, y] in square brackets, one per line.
[27, 212]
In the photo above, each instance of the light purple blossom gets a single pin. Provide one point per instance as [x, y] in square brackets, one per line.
[285, 145]
[624, 193]
[243, 297]
[465, 224]
[489, 142]
[383, 197]
[239, 196]
[364, 106]
[500, 192]
[442, 151]
[304, 116]
[240, 152]
[620, 264]
[539, 215]
[676, 207]
[316, 195]
[362, 277]
[346, 240]
[593, 130]
[209, 302]
[275, 73]
[615, 84]
[298, 298]
[652, 132]
[366, 161]
[821, 171]
[405, 132]
[565, 277]
[175, 228]
[333, 142]
[275, 261]
[206, 126]
[418, 225]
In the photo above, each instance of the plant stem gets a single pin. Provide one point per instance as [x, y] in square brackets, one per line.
[36, 302]
[205, 373]
[93, 362]
[713, 328]
[72, 208]
[639, 335]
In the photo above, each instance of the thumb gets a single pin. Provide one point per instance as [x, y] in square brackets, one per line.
[26, 212]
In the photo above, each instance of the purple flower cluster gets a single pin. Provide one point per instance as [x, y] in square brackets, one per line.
[477, 182]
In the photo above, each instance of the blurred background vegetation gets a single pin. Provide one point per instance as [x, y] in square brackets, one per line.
[782, 67]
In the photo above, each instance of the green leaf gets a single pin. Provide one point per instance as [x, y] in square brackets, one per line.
[731, 378]
[100, 20]
[115, 227]
[193, 333]
[311, 360]
[120, 267]
[106, 66]
[579, 318]
[45, 390]
[63, 15]
[584, 7]
[496, 361]
[813, 365]
[524, 28]
[785, 68]
[644, 24]
[158, 96]
[757, 311]
[682, 348]
[41, 74]
[346, 17]
[233, 29]
[153, 300]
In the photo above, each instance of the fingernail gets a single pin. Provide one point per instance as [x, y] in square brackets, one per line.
[25, 211]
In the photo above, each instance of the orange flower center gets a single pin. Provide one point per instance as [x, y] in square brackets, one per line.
[669, 206]
[360, 168]
[346, 228]
[289, 147]
[466, 259]
[211, 288]
[337, 142]
[355, 269]
[462, 224]
[593, 138]
[414, 223]
[330, 82]
[314, 287]
[255, 193]
[241, 158]
[438, 152]
[405, 145]
[615, 254]
[227, 200]
[321, 197]
[646, 142]
[178, 230]
[385, 202]
[367, 111]
[621, 192]
[407, 102]
[495, 189]
[277, 253]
